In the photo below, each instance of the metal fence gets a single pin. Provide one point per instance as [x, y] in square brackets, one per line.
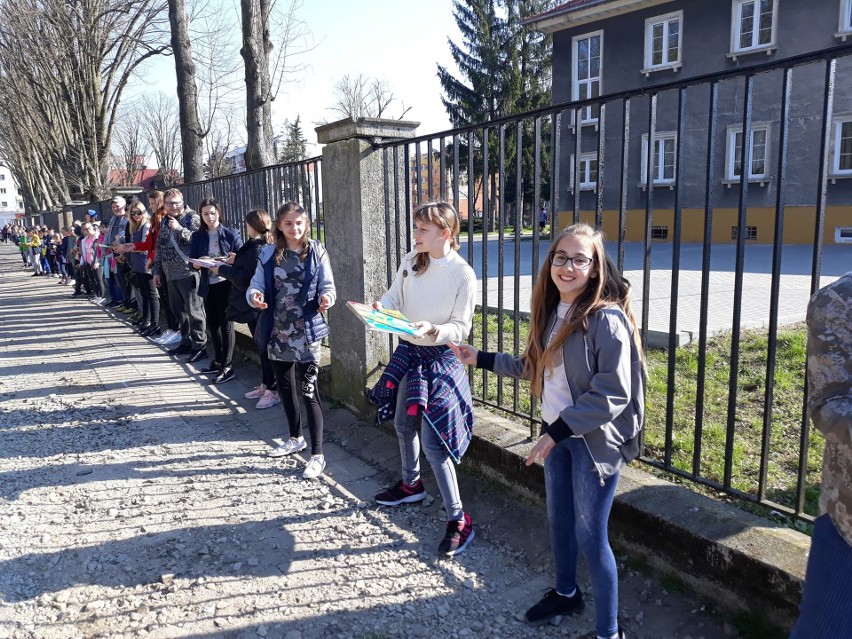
[685, 140]
[237, 194]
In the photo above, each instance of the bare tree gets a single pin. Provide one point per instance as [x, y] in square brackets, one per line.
[362, 97]
[218, 142]
[130, 146]
[162, 131]
[191, 134]
[268, 59]
[67, 65]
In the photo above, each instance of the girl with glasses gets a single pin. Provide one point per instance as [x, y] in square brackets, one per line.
[585, 361]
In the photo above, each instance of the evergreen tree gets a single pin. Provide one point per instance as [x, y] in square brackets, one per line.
[295, 143]
[505, 69]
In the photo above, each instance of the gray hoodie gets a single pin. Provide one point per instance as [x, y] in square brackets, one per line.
[604, 371]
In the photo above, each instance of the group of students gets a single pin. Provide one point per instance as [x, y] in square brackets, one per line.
[583, 357]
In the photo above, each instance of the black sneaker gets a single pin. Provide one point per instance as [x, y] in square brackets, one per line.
[402, 493]
[197, 355]
[554, 605]
[154, 332]
[183, 349]
[225, 375]
[212, 367]
[459, 534]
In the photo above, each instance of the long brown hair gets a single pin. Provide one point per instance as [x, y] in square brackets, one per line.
[442, 215]
[209, 201]
[278, 237]
[261, 222]
[608, 288]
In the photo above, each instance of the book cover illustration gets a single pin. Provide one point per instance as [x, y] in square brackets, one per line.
[385, 320]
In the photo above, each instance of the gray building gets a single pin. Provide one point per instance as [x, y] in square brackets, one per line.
[609, 47]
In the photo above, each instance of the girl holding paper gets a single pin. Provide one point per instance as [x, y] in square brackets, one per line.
[424, 388]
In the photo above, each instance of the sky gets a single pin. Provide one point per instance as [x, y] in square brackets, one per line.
[399, 41]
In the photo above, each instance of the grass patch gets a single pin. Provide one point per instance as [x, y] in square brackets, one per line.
[746, 441]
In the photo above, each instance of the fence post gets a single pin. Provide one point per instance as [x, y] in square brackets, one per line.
[354, 213]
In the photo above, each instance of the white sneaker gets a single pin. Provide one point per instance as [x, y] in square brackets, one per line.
[164, 337]
[292, 445]
[269, 399]
[103, 301]
[314, 468]
[175, 337]
[97, 301]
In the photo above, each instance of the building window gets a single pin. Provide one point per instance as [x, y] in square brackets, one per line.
[753, 25]
[2, 190]
[663, 165]
[758, 153]
[2, 177]
[845, 18]
[750, 233]
[659, 232]
[842, 149]
[588, 171]
[588, 72]
[5, 205]
[663, 42]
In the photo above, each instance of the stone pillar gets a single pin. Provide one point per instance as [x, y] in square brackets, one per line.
[353, 201]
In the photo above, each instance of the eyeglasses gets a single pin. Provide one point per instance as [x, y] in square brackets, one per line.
[579, 262]
[174, 204]
[136, 213]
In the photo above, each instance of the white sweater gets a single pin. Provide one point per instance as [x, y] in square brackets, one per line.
[443, 295]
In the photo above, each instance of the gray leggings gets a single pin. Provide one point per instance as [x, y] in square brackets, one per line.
[413, 434]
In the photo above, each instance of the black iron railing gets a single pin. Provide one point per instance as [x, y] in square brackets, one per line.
[650, 165]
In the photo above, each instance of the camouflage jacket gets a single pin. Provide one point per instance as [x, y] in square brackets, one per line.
[830, 402]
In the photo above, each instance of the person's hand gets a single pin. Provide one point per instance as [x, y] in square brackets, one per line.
[213, 269]
[324, 303]
[466, 353]
[541, 450]
[173, 224]
[377, 306]
[231, 258]
[148, 264]
[157, 281]
[257, 300]
[96, 265]
[425, 328]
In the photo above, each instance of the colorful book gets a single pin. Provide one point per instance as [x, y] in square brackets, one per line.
[385, 320]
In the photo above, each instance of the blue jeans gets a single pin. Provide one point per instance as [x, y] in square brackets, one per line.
[412, 433]
[113, 288]
[577, 511]
[826, 607]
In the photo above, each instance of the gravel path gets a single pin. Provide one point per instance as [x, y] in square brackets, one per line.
[136, 501]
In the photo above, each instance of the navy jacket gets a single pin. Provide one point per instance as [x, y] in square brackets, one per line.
[318, 281]
[199, 246]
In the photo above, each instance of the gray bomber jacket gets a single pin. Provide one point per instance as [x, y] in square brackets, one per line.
[607, 381]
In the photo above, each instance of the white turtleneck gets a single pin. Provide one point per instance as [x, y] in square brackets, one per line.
[443, 295]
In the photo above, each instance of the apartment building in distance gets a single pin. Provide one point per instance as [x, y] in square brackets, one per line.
[608, 47]
[11, 201]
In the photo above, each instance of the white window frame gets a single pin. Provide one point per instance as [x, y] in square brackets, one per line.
[736, 29]
[585, 172]
[674, 65]
[844, 29]
[657, 179]
[733, 153]
[836, 171]
[586, 114]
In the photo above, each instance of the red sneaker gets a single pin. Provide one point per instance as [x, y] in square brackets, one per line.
[402, 493]
[459, 534]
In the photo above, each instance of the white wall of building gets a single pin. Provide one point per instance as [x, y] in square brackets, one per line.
[11, 201]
